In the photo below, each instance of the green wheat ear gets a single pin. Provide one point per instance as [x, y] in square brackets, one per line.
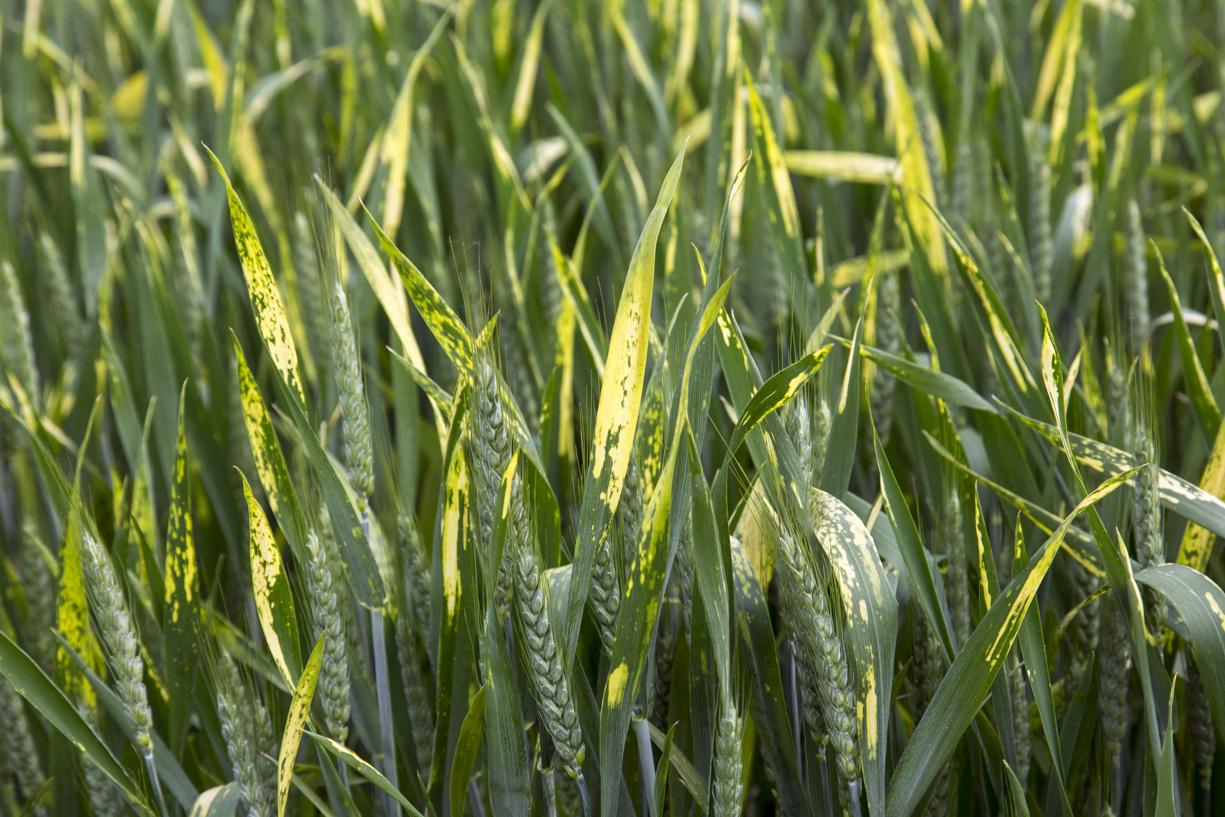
[322, 583]
[552, 691]
[822, 657]
[17, 348]
[247, 731]
[354, 413]
[118, 635]
[728, 789]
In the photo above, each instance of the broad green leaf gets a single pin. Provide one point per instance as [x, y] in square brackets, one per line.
[72, 622]
[968, 681]
[397, 137]
[1216, 278]
[295, 722]
[273, 598]
[266, 302]
[757, 639]
[1200, 605]
[467, 751]
[1193, 370]
[350, 759]
[910, 545]
[944, 386]
[32, 683]
[1197, 541]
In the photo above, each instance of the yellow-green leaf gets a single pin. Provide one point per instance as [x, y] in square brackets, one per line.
[616, 417]
[295, 722]
[266, 302]
[273, 600]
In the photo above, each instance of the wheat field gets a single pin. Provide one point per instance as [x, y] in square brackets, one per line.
[611, 409]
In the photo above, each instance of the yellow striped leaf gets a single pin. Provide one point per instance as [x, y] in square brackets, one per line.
[266, 301]
[616, 417]
[295, 722]
[917, 188]
[273, 598]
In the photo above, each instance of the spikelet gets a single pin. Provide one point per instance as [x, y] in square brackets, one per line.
[61, 296]
[16, 343]
[1041, 249]
[104, 796]
[549, 286]
[728, 787]
[246, 729]
[354, 413]
[38, 587]
[1203, 737]
[665, 659]
[333, 685]
[683, 565]
[416, 574]
[963, 178]
[416, 694]
[489, 454]
[605, 594]
[817, 642]
[1135, 284]
[1086, 624]
[1146, 506]
[799, 430]
[957, 586]
[311, 295]
[118, 636]
[820, 438]
[20, 755]
[929, 669]
[631, 508]
[888, 339]
[1114, 666]
[552, 692]
[1020, 717]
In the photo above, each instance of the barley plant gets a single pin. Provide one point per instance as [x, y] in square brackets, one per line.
[611, 409]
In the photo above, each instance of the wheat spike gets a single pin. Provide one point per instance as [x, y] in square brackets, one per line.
[355, 414]
[38, 587]
[247, 731]
[808, 610]
[20, 753]
[1040, 246]
[61, 294]
[17, 349]
[118, 636]
[1135, 269]
[333, 685]
[728, 786]
[309, 277]
[489, 453]
[1114, 666]
[556, 707]
[1199, 718]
